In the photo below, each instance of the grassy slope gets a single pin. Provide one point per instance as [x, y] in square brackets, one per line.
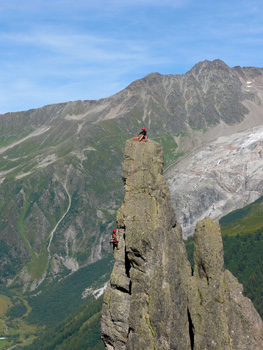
[246, 220]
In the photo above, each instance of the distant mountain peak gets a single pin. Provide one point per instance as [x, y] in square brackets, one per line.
[216, 64]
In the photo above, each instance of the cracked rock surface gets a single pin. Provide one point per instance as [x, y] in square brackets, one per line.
[153, 301]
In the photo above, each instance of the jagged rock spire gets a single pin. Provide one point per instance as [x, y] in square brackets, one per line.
[153, 301]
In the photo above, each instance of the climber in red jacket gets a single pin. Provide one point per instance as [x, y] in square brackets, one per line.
[114, 241]
[143, 134]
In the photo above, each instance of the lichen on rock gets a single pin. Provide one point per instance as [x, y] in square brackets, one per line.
[153, 300]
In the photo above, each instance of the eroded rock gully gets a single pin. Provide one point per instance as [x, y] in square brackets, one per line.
[153, 300]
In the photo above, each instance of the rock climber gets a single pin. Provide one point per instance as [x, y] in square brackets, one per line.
[114, 240]
[143, 134]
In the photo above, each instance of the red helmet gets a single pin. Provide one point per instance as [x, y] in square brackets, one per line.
[143, 129]
[114, 231]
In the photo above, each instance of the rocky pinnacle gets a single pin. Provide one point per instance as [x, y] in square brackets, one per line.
[153, 300]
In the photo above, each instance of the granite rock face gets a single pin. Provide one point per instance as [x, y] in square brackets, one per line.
[153, 300]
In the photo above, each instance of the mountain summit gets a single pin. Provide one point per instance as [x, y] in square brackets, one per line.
[153, 300]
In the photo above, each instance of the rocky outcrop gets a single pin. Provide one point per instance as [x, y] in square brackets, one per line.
[221, 317]
[153, 300]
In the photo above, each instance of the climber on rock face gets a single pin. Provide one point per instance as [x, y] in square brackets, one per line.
[114, 241]
[143, 134]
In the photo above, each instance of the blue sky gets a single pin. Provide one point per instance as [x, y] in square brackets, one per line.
[55, 51]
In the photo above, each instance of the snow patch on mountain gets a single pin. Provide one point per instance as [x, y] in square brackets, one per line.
[96, 293]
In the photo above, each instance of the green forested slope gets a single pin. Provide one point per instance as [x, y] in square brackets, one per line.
[244, 258]
[59, 300]
[79, 331]
[56, 313]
